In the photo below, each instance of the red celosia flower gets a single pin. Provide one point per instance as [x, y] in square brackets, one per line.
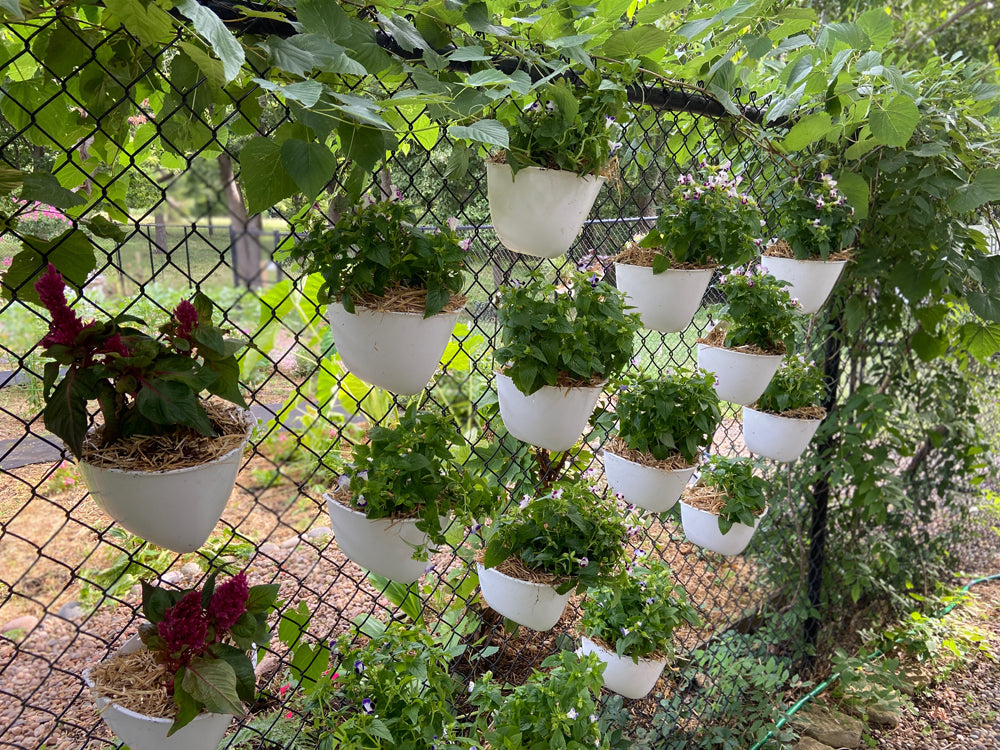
[115, 345]
[184, 625]
[187, 318]
[65, 325]
[229, 602]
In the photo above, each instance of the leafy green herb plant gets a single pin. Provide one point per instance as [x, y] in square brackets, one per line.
[637, 615]
[377, 250]
[573, 337]
[797, 384]
[816, 220]
[705, 221]
[143, 385]
[758, 312]
[744, 494]
[552, 709]
[678, 414]
[574, 128]
[408, 470]
[569, 532]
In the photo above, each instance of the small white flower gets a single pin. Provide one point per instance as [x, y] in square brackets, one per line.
[572, 714]
[524, 502]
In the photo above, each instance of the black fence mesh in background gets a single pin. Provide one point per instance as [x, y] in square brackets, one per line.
[69, 582]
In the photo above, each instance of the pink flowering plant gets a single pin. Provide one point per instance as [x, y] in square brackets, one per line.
[143, 385]
[377, 249]
[815, 219]
[758, 311]
[569, 531]
[708, 220]
[203, 638]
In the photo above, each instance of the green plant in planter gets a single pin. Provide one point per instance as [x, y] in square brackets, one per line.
[758, 312]
[408, 470]
[815, 219]
[565, 338]
[744, 492]
[676, 415]
[569, 532]
[706, 221]
[554, 709]
[376, 250]
[797, 384]
[395, 691]
[638, 614]
[568, 127]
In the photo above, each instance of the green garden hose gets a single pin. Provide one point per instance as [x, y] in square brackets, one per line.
[797, 706]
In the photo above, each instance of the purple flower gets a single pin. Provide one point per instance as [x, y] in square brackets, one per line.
[557, 494]
[343, 482]
[594, 280]
[465, 244]
[583, 562]
[187, 319]
[368, 706]
[363, 475]
[524, 502]
[624, 630]
[359, 666]
[184, 625]
[229, 602]
[572, 714]
[650, 600]
[65, 324]
[361, 502]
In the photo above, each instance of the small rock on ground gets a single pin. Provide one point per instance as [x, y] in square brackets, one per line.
[318, 532]
[808, 743]
[290, 542]
[71, 611]
[830, 727]
[24, 622]
[191, 570]
[172, 576]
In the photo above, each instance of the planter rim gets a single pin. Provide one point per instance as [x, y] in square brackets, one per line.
[653, 468]
[183, 470]
[396, 313]
[521, 580]
[692, 507]
[504, 165]
[775, 415]
[764, 259]
[737, 352]
[391, 521]
[599, 386]
[699, 270]
[614, 653]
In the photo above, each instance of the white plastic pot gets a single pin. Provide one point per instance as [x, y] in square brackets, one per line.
[551, 418]
[655, 490]
[384, 546]
[666, 301]
[534, 605]
[396, 351]
[622, 675]
[539, 211]
[702, 528]
[142, 732]
[175, 509]
[779, 438]
[741, 378]
[810, 281]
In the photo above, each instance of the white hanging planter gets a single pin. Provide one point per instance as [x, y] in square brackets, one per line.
[534, 605]
[702, 528]
[655, 490]
[779, 438]
[666, 301]
[810, 281]
[622, 675]
[552, 418]
[393, 350]
[142, 732]
[539, 212]
[741, 377]
[176, 509]
[384, 546]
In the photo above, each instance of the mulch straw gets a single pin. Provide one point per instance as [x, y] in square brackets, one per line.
[346, 498]
[405, 299]
[634, 255]
[717, 338]
[620, 448]
[136, 682]
[514, 567]
[781, 249]
[182, 448]
[705, 498]
[802, 412]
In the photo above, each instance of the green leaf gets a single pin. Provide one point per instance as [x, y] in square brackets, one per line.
[307, 93]
[807, 130]
[265, 180]
[928, 347]
[187, 707]
[985, 306]
[262, 597]
[855, 188]
[65, 413]
[213, 683]
[981, 339]
[984, 188]
[849, 33]
[168, 402]
[894, 124]
[10, 179]
[479, 18]
[365, 145]
[149, 21]
[635, 42]
[72, 253]
[102, 227]
[211, 28]
[877, 25]
[311, 165]
[45, 188]
[404, 32]
[483, 131]
[473, 53]
[13, 8]
[324, 17]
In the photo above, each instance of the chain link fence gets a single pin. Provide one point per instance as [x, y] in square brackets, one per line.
[69, 583]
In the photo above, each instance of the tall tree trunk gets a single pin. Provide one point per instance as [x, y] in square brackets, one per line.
[160, 231]
[244, 232]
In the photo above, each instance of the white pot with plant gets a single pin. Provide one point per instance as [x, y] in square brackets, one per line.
[179, 682]
[705, 223]
[722, 511]
[394, 292]
[816, 230]
[663, 426]
[163, 462]
[746, 347]
[785, 418]
[629, 624]
[536, 555]
[541, 189]
[397, 496]
[557, 351]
